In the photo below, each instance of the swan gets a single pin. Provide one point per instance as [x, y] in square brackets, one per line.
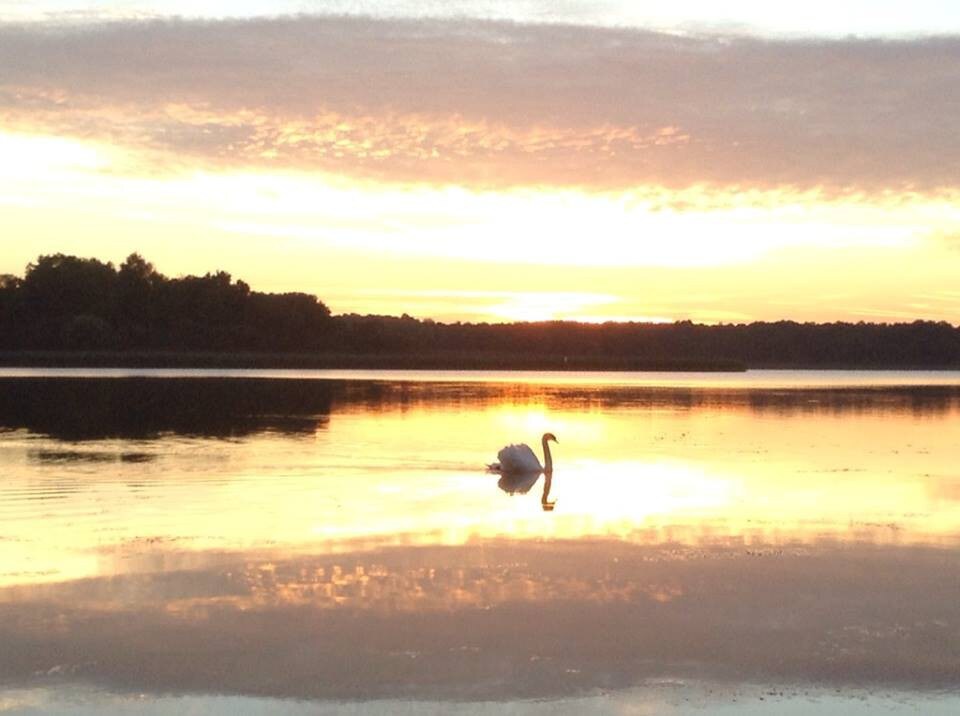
[520, 459]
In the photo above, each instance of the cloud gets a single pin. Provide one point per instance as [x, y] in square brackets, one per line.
[495, 104]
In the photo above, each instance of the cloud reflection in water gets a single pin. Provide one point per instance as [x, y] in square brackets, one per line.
[802, 537]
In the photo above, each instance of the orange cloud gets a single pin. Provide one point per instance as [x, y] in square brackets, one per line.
[395, 147]
[492, 105]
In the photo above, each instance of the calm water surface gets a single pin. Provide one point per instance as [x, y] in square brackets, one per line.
[322, 541]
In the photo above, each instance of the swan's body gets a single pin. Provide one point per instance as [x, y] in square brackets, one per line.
[520, 459]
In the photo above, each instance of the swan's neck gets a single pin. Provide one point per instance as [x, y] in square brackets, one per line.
[547, 457]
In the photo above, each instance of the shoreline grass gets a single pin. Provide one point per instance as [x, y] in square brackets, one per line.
[384, 361]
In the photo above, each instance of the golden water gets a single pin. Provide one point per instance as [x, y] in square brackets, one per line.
[344, 541]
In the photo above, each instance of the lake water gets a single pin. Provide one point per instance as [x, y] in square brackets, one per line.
[770, 542]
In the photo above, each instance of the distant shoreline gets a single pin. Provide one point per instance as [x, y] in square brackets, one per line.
[358, 361]
[68, 311]
[400, 361]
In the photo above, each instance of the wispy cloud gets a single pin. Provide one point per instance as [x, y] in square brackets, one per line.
[492, 104]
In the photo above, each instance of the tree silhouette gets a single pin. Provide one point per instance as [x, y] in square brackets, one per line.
[68, 303]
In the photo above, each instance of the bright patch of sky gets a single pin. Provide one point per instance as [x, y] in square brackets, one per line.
[888, 18]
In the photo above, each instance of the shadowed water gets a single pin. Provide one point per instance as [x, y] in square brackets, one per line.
[753, 546]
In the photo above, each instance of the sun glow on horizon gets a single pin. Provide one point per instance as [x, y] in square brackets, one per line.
[453, 253]
[673, 473]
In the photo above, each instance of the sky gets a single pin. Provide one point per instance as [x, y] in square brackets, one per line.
[493, 161]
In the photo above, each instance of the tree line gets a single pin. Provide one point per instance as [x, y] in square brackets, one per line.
[67, 303]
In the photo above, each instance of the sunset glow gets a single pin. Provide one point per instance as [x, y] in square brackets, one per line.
[565, 184]
[626, 478]
[469, 356]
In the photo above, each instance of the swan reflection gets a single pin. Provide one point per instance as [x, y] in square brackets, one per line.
[545, 501]
[522, 483]
[518, 483]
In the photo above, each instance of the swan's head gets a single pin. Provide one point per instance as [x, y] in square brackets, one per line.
[550, 436]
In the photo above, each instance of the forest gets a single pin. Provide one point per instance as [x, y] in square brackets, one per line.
[70, 307]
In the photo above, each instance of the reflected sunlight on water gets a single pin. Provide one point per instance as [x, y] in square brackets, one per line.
[708, 524]
[405, 465]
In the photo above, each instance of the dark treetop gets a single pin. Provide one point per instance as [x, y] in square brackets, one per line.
[67, 309]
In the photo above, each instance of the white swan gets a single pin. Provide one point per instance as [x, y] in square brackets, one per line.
[520, 459]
